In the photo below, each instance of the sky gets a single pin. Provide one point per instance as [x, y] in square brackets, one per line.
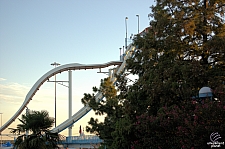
[34, 34]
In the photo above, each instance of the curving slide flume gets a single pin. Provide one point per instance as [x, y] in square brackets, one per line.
[73, 66]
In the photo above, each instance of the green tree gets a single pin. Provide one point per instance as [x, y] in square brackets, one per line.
[38, 124]
[112, 130]
[183, 51]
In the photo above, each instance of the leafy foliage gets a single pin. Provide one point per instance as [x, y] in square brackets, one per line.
[188, 126]
[38, 124]
[182, 51]
[112, 129]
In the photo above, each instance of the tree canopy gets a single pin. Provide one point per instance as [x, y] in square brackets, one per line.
[182, 51]
[35, 128]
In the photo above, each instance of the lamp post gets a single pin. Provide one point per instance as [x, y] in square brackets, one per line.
[120, 54]
[55, 64]
[126, 32]
[138, 22]
[1, 126]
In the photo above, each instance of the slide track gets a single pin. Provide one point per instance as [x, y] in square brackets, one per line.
[73, 66]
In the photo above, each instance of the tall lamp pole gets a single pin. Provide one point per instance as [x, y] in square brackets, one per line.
[138, 22]
[1, 126]
[126, 32]
[55, 64]
[120, 54]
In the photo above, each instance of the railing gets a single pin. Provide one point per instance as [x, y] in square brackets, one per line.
[85, 139]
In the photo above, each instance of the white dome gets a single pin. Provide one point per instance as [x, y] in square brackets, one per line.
[205, 90]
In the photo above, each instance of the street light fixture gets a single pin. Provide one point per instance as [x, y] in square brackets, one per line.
[55, 64]
[1, 132]
[138, 22]
[126, 32]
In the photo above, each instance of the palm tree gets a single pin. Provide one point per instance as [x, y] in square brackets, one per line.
[38, 124]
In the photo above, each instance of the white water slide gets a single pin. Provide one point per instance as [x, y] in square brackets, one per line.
[73, 66]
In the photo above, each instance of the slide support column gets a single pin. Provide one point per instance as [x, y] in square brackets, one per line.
[70, 102]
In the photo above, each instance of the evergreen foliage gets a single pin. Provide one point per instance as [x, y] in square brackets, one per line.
[182, 51]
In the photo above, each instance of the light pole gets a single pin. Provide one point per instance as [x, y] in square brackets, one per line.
[55, 64]
[1, 126]
[120, 54]
[126, 32]
[138, 22]
[123, 49]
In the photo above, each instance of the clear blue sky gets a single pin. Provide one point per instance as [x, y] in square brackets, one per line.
[34, 34]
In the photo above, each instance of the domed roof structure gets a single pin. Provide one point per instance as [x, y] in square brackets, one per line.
[205, 92]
